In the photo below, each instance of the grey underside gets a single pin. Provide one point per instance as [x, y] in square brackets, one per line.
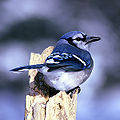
[65, 81]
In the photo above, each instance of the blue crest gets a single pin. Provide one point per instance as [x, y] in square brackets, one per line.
[70, 34]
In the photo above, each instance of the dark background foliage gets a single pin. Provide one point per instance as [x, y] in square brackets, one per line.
[30, 26]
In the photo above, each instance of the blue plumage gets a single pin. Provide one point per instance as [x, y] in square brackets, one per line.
[70, 63]
[37, 66]
[70, 34]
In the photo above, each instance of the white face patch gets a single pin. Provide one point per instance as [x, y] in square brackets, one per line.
[80, 44]
[78, 35]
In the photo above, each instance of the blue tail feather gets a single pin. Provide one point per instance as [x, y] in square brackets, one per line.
[24, 68]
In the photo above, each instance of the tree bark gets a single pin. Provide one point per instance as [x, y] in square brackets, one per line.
[40, 104]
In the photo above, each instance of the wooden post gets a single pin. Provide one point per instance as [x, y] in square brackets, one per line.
[39, 104]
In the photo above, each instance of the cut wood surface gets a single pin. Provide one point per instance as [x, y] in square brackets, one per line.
[40, 105]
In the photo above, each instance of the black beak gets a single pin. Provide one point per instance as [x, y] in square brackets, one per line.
[92, 39]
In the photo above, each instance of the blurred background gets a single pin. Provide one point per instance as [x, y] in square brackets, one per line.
[32, 25]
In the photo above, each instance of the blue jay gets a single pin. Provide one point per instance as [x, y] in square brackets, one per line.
[70, 64]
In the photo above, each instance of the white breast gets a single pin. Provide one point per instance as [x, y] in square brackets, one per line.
[65, 81]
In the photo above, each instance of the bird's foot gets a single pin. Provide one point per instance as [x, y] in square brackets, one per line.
[73, 91]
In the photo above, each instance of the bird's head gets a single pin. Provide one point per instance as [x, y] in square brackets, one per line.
[79, 39]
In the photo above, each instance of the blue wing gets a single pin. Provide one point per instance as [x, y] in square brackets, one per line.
[65, 61]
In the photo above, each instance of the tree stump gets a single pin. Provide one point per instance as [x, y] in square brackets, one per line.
[40, 105]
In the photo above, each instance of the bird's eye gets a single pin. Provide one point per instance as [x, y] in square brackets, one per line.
[78, 38]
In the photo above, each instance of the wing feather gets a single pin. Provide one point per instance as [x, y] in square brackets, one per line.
[65, 61]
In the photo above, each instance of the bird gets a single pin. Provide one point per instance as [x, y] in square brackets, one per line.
[70, 63]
